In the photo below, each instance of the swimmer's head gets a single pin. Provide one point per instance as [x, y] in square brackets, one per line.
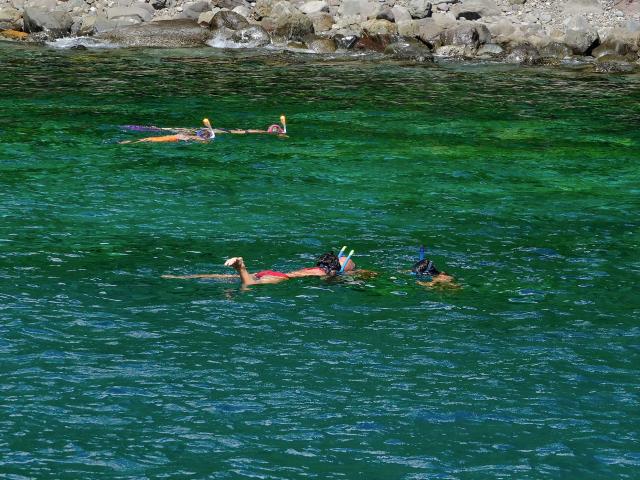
[425, 267]
[275, 129]
[204, 134]
[330, 263]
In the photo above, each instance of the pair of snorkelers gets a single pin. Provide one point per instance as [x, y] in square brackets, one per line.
[206, 134]
[327, 265]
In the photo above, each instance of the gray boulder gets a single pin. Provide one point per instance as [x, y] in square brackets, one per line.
[322, 45]
[400, 14]
[194, 9]
[54, 24]
[417, 8]
[455, 51]
[484, 35]
[253, 36]
[228, 4]
[133, 14]
[322, 22]
[581, 42]
[230, 20]
[475, 9]
[581, 7]
[379, 27]
[580, 36]
[465, 34]
[163, 33]
[490, 50]
[287, 22]
[386, 14]
[205, 18]
[524, 54]
[10, 18]
[612, 46]
[314, 6]
[409, 49]
[359, 10]
[555, 51]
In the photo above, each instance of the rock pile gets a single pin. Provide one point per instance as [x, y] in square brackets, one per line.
[521, 31]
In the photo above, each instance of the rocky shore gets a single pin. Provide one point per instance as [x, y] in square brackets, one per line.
[604, 33]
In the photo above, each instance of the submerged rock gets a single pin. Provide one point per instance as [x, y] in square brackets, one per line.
[163, 33]
[612, 46]
[613, 64]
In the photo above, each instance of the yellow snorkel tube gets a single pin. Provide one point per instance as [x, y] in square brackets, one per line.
[207, 124]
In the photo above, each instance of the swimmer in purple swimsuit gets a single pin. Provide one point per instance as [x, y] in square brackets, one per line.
[328, 265]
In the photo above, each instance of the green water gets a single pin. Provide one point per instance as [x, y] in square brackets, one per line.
[523, 183]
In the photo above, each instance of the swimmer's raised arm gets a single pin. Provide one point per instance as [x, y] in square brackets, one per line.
[237, 263]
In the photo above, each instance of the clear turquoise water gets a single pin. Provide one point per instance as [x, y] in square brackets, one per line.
[523, 183]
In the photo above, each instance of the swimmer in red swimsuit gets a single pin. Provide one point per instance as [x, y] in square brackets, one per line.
[328, 265]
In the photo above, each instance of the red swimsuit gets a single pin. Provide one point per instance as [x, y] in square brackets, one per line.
[270, 273]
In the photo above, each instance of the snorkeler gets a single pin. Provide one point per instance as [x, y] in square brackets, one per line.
[275, 129]
[203, 135]
[327, 265]
[428, 273]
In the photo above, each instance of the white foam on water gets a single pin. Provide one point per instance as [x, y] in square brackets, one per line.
[88, 42]
[221, 42]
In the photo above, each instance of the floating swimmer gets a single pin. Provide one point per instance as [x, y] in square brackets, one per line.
[428, 273]
[327, 265]
[186, 134]
[206, 134]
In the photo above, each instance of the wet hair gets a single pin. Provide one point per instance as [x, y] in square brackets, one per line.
[329, 263]
[425, 267]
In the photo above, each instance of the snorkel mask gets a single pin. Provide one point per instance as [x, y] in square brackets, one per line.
[209, 130]
[346, 262]
[424, 267]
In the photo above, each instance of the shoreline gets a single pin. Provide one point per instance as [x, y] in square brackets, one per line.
[602, 33]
